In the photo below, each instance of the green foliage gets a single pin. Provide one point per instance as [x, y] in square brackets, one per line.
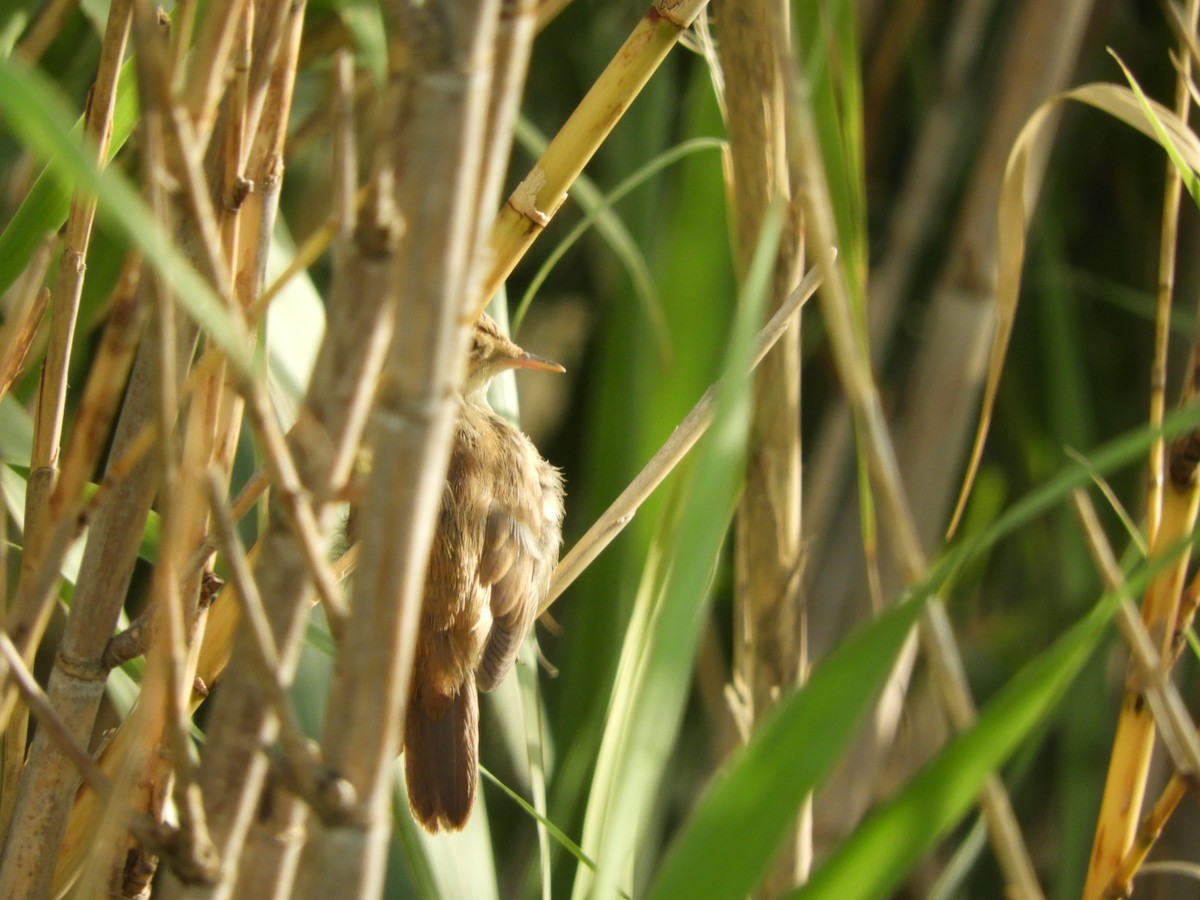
[643, 793]
[752, 803]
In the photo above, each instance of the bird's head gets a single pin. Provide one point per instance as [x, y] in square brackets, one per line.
[491, 353]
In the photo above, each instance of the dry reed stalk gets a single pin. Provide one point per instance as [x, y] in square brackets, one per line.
[445, 49]
[272, 846]
[768, 657]
[538, 197]
[1129, 763]
[1167, 249]
[25, 304]
[1120, 845]
[211, 253]
[29, 611]
[854, 372]
[514, 40]
[940, 395]
[924, 188]
[178, 615]
[212, 258]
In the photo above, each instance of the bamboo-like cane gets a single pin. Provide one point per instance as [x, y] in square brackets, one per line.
[538, 197]
[1129, 763]
[216, 648]
[1170, 516]
[768, 648]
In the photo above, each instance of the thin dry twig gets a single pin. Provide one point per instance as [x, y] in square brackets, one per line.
[682, 439]
[1170, 518]
[1170, 713]
[327, 795]
[854, 372]
[30, 610]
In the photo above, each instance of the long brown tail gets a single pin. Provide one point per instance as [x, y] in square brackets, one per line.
[441, 760]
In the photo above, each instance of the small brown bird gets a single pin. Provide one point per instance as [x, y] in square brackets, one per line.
[497, 542]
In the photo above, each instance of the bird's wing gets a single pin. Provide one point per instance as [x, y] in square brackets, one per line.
[506, 565]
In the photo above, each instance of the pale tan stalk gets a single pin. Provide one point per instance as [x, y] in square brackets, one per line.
[215, 45]
[1170, 518]
[28, 613]
[103, 390]
[273, 33]
[768, 652]
[297, 756]
[1168, 247]
[537, 198]
[438, 271]
[345, 149]
[940, 396]
[514, 40]
[183, 26]
[273, 845]
[682, 439]
[923, 190]
[69, 284]
[47, 788]
[854, 372]
[24, 304]
[1146, 665]
[177, 616]
[1129, 763]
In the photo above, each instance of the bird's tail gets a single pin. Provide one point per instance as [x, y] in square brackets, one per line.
[441, 760]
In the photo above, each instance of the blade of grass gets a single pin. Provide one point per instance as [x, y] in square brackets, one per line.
[872, 862]
[1161, 135]
[600, 213]
[656, 662]
[1119, 102]
[38, 115]
[752, 804]
[45, 207]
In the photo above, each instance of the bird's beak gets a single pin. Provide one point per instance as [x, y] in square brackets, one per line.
[541, 364]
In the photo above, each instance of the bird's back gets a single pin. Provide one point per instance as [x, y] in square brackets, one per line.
[494, 549]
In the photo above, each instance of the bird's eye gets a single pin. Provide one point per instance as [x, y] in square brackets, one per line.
[476, 346]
